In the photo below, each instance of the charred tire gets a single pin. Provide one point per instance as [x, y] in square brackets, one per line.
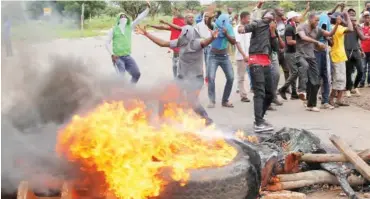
[238, 180]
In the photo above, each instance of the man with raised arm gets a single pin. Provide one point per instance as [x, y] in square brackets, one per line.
[120, 38]
[190, 70]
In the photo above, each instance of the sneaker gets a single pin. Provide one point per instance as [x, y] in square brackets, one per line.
[356, 92]
[262, 127]
[271, 108]
[361, 86]
[211, 105]
[209, 121]
[348, 94]
[245, 99]
[335, 105]
[302, 96]
[282, 94]
[277, 102]
[327, 106]
[313, 109]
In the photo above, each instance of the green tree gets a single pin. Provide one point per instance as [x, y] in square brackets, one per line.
[166, 7]
[287, 5]
[132, 8]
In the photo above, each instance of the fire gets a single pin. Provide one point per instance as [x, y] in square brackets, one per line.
[118, 140]
[241, 135]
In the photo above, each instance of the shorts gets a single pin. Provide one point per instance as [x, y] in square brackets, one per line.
[339, 76]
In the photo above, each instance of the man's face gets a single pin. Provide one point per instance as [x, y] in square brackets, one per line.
[368, 6]
[206, 18]
[314, 21]
[354, 21]
[122, 16]
[367, 19]
[352, 13]
[280, 12]
[245, 19]
[189, 19]
[230, 10]
[296, 19]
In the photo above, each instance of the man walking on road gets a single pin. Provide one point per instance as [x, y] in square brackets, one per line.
[263, 34]
[365, 44]
[242, 55]
[307, 41]
[190, 72]
[291, 58]
[120, 37]
[220, 57]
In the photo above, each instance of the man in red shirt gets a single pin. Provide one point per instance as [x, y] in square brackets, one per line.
[365, 45]
[262, 43]
[178, 20]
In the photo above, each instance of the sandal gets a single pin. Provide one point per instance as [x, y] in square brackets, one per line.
[227, 105]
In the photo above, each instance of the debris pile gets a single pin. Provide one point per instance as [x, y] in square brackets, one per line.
[292, 159]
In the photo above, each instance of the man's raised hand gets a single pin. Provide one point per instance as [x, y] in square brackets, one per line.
[140, 30]
[148, 4]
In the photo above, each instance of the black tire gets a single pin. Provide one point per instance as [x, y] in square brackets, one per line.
[238, 180]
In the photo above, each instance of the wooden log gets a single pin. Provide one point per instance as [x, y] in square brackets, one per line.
[309, 157]
[25, 192]
[352, 156]
[308, 178]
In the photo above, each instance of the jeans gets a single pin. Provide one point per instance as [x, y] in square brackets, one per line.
[366, 70]
[207, 52]
[127, 63]
[312, 78]
[175, 63]
[284, 65]
[262, 87]
[275, 72]
[249, 75]
[224, 62]
[321, 58]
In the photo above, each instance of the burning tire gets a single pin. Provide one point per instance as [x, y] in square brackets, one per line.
[238, 180]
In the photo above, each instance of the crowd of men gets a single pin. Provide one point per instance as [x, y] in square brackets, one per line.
[320, 51]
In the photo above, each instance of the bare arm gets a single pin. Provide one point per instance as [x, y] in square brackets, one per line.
[304, 37]
[108, 42]
[140, 17]
[230, 38]
[160, 27]
[290, 41]
[303, 16]
[331, 33]
[360, 33]
[349, 23]
[281, 43]
[204, 43]
[172, 25]
[238, 46]
[335, 8]
[160, 42]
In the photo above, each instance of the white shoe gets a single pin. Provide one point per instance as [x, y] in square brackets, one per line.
[348, 94]
[327, 106]
[313, 109]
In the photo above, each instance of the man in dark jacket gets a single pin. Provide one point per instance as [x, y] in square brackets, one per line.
[262, 41]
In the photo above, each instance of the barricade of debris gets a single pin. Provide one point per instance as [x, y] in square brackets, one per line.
[294, 159]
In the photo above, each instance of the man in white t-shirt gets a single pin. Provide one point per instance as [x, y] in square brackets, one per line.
[242, 54]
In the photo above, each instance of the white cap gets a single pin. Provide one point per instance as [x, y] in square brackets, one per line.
[366, 13]
[292, 14]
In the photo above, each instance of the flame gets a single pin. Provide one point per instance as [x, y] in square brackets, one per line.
[118, 140]
[241, 135]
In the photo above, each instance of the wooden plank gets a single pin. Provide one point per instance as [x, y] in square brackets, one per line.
[309, 157]
[352, 156]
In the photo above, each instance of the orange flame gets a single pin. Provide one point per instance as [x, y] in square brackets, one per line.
[241, 135]
[119, 141]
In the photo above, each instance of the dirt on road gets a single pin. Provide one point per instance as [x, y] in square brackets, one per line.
[362, 101]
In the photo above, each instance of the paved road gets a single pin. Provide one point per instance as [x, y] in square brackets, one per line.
[351, 123]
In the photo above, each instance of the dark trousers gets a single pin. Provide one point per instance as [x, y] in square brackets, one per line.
[366, 69]
[321, 58]
[283, 65]
[261, 78]
[354, 61]
[296, 71]
[313, 79]
[127, 63]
